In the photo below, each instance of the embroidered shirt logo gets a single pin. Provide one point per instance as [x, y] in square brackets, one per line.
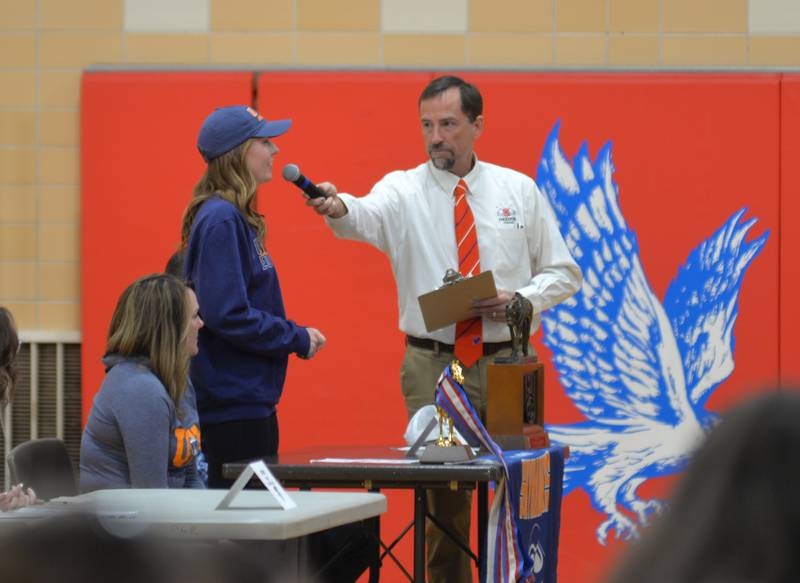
[507, 217]
[263, 256]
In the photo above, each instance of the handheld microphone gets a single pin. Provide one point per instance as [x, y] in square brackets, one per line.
[292, 173]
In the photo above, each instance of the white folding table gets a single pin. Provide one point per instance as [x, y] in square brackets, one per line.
[186, 514]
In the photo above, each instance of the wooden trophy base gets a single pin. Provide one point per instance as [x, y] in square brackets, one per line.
[532, 437]
[515, 404]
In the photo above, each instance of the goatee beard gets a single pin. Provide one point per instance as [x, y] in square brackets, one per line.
[443, 163]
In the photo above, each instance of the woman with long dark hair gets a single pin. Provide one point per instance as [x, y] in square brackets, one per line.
[18, 495]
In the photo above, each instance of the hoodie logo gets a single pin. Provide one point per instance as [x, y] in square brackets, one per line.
[263, 256]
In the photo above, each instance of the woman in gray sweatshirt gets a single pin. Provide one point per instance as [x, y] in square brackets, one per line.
[143, 430]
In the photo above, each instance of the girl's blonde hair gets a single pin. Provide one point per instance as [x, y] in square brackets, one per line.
[227, 177]
[151, 320]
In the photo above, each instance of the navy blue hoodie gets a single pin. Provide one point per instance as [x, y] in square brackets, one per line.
[246, 341]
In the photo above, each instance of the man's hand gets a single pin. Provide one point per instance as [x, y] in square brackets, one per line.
[493, 308]
[330, 205]
[317, 341]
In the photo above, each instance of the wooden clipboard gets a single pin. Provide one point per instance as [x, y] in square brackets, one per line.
[452, 303]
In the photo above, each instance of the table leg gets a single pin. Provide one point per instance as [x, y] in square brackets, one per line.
[483, 523]
[375, 565]
[299, 548]
[420, 511]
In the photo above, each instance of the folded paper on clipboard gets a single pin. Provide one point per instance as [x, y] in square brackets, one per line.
[452, 303]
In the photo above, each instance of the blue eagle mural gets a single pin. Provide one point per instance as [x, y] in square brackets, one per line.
[640, 371]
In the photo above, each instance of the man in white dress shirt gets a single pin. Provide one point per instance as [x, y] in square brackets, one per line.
[409, 215]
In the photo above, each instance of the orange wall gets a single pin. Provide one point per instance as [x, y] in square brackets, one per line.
[138, 166]
[689, 150]
[790, 229]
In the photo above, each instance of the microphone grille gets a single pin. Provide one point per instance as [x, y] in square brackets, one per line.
[290, 172]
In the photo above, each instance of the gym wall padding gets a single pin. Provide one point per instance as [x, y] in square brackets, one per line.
[790, 230]
[349, 129]
[688, 149]
[138, 166]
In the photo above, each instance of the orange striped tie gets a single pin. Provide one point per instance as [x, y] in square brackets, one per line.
[469, 333]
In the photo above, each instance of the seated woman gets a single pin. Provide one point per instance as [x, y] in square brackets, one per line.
[17, 496]
[143, 429]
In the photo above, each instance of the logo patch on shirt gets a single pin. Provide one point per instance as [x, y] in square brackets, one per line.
[188, 445]
[263, 256]
[507, 217]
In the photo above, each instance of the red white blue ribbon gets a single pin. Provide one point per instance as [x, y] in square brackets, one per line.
[504, 561]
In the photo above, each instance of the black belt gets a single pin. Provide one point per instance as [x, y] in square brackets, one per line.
[428, 344]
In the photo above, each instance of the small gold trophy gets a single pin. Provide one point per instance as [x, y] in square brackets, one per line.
[449, 440]
[447, 448]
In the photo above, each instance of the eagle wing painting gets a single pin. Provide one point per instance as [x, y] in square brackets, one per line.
[640, 370]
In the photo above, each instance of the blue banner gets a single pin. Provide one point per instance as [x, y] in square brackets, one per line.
[534, 484]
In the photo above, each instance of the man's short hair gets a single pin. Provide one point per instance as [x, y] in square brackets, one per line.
[471, 99]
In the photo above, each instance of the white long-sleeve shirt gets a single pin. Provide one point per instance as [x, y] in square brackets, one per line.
[409, 216]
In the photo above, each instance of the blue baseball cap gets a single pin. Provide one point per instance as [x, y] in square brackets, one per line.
[228, 127]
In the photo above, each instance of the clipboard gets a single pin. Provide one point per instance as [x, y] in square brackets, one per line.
[453, 303]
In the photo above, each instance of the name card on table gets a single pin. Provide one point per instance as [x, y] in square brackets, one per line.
[271, 483]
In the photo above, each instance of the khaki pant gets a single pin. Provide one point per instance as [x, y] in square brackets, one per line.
[447, 563]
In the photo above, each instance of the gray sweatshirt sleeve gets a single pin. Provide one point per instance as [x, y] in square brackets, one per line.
[189, 408]
[144, 416]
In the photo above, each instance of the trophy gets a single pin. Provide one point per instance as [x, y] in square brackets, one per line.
[515, 387]
[446, 449]
[519, 313]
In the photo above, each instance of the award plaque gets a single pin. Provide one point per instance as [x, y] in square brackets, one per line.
[515, 404]
[515, 387]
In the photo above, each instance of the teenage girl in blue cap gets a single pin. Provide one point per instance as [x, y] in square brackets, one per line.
[247, 339]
